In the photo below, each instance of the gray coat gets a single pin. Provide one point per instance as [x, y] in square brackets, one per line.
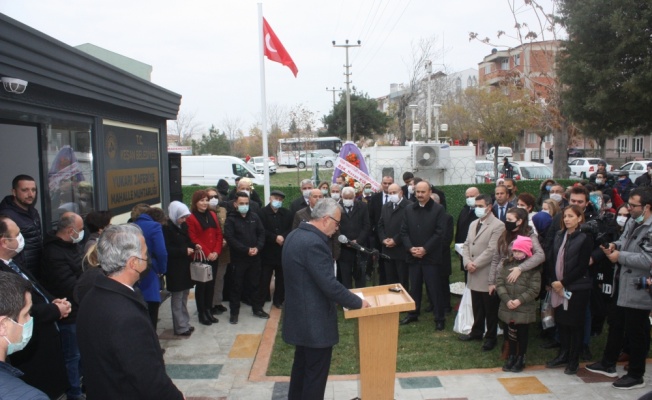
[311, 290]
[525, 289]
[635, 259]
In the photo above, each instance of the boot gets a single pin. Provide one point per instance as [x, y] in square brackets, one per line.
[519, 364]
[210, 317]
[560, 360]
[509, 363]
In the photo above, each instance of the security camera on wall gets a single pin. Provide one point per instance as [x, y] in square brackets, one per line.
[14, 85]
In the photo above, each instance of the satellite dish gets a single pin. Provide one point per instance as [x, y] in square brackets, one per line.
[426, 156]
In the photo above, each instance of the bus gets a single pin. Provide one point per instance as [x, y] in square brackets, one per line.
[289, 149]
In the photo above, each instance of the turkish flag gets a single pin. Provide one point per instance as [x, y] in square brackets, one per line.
[274, 49]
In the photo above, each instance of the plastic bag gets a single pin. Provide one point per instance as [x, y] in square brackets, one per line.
[464, 318]
[547, 313]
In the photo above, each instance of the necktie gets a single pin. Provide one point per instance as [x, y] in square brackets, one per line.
[477, 229]
[348, 210]
[502, 213]
[19, 272]
[385, 202]
[394, 206]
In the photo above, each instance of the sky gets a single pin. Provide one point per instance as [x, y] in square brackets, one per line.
[208, 50]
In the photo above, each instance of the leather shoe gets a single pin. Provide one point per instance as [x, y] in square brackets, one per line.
[211, 318]
[440, 325]
[203, 320]
[489, 345]
[409, 319]
[186, 333]
[261, 314]
[278, 305]
[191, 329]
[468, 338]
[233, 319]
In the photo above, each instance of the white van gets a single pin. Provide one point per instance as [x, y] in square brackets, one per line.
[207, 170]
[502, 153]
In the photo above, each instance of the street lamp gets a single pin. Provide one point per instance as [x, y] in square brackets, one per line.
[435, 112]
[413, 107]
[429, 72]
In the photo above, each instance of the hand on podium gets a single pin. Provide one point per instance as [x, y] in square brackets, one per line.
[365, 304]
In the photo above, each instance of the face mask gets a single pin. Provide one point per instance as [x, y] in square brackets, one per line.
[243, 209]
[80, 236]
[639, 219]
[324, 192]
[621, 220]
[335, 196]
[27, 335]
[277, 203]
[213, 202]
[393, 198]
[609, 205]
[20, 243]
[347, 203]
[598, 181]
[368, 191]
[622, 179]
[411, 189]
[510, 226]
[470, 201]
[556, 197]
[306, 193]
[247, 192]
[480, 212]
[548, 187]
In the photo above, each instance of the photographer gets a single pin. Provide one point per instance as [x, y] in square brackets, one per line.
[633, 253]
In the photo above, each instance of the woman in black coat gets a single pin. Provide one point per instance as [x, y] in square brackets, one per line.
[178, 280]
[570, 286]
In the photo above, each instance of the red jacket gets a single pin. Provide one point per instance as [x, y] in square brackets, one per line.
[209, 239]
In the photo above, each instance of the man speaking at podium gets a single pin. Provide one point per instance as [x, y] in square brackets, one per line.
[311, 294]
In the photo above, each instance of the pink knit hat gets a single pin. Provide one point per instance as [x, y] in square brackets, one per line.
[524, 244]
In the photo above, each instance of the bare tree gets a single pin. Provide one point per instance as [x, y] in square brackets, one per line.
[231, 126]
[185, 127]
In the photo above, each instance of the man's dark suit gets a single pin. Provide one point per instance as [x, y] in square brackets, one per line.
[375, 206]
[355, 226]
[389, 227]
[496, 210]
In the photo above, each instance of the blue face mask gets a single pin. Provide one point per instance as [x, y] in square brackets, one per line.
[27, 335]
[639, 219]
[243, 209]
[548, 187]
[277, 203]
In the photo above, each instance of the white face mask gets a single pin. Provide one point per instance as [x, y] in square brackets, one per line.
[609, 205]
[213, 202]
[470, 201]
[335, 196]
[621, 219]
[393, 198]
[243, 191]
[20, 243]
[411, 189]
[347, 203]
[556, 197]
[598, 181]
[480, 212]
[306, 193]
[80, 236]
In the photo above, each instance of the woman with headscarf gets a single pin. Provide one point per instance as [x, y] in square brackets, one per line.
[178, 276]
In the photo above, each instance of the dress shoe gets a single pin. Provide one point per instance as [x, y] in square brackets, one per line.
[489, 345]
[440, 325]
[519, 364]
[560, 360]
[261, 314]
[409, 319]
[550, 345]
[233, 319]
[191, 329]
[203, 320]
[278, 305]
[216, 311]
[186, 333]
[468, 338]
[571, 368]
[509, 363]
[211, 318]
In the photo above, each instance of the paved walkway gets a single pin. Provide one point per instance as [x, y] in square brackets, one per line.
[225, 361]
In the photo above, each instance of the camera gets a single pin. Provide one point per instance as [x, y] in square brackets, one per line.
[642, 283]
[601, 229]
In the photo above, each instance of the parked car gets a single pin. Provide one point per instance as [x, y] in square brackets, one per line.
[527, 170]
[574, 152]
[502, 153]
[484, 171]
[309, 159]
[634, 168]
[259, 165]
[583, 167]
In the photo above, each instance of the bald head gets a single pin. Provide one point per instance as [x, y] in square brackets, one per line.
[472, 192]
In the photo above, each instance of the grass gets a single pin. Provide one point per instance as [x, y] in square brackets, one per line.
[290, 178]
[420, 347]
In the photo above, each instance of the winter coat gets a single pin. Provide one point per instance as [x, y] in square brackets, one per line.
[635, 259]
[525, 289]
[177, 278]
[424, 227]
[275, 224]
[243, 233]
[576, 261]
[389, 227]
[209, 239]
[29, 223]
[538, 257]
[158, 256]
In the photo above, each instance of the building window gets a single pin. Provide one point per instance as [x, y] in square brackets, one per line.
[637, 145]
[487, 69]
[548, 138]
[504, 64]
[517, 59]
[469, 82]
[458, 85]
[621, 145]
[532, 138]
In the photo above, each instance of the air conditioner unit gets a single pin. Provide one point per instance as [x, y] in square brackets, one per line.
[430, 156]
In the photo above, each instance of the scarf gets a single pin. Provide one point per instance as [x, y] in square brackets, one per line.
[556, 299]
[206, 219]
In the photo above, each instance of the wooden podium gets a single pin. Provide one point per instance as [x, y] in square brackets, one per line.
[378, 338]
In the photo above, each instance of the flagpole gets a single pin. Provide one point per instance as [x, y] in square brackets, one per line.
[263, 101]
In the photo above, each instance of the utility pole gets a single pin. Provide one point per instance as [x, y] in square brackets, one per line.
[428, 110]
[333, 90]
[348, 82]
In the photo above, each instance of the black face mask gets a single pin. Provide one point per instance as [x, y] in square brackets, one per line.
[510, 226]
[509, 192]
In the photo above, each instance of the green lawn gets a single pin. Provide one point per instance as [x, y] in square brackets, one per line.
[420, 347]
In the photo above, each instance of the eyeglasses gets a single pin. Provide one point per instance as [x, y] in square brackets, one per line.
[142, 259]
[336, 221]
[630, 205]
[213, 197]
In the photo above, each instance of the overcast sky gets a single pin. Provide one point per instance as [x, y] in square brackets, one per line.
[207, 50]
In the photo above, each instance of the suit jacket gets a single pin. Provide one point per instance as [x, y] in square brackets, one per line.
[467, 215]
[480, 248]
[424, 227]
[449, 226]
[119, 347]
[406, 194]
[496, 208]
[389, 226]
[355, 225]
[311, 290]
[375, 206]
[297, 205]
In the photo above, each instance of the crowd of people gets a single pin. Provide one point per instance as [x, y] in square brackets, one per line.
[92, 290]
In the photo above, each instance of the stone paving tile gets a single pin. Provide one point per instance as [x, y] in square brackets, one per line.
[245, 346]
[419, 382]
[193, 371]
[280, 390]
[523, 385]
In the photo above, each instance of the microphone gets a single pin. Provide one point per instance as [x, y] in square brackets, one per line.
[344, 240]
